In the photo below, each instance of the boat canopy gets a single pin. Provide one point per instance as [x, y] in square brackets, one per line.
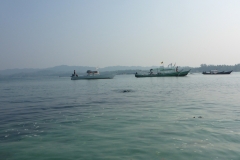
[214, 71]
[92, 72]
[162, 69]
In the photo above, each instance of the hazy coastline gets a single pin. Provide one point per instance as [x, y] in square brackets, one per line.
[65, 71]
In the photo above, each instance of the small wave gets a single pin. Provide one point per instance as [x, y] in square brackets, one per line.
[63, 107]
[125, 90]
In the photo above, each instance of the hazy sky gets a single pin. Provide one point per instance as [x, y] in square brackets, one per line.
[46, 33]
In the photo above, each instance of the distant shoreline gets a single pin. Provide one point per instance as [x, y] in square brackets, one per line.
[66, 71]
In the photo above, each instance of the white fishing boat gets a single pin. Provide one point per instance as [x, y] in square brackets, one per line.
[91, 75]
[170, 71]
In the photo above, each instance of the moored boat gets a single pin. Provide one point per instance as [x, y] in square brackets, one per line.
[91, 75]
[215, 72]
[164, 72]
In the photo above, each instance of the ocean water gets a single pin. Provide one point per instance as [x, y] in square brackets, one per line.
[167, 118]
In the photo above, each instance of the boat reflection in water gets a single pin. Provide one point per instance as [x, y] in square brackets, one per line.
[91, 75]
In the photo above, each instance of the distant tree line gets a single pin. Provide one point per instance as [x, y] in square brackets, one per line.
[205, 67]
[62, 72]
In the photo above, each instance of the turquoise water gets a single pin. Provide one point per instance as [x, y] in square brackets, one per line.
[56, 118]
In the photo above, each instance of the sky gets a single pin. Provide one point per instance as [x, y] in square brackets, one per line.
[100, 33]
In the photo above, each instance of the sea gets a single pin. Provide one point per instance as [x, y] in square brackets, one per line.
[196, 117]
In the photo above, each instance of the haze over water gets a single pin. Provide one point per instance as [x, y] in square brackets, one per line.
[42, 34]
[56, 118]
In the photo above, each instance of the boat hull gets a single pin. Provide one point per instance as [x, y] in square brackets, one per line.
[92, 77]
[219, 73]
[174, 74]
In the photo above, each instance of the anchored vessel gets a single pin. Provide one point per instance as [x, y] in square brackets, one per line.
[164, 72]
[91, 75]
[215, 72]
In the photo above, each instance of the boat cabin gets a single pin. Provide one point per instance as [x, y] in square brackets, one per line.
[213, 71]
[89, 72]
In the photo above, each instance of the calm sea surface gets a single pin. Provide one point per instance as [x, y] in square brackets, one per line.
[55, 118]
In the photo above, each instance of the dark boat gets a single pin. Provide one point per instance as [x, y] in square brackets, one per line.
[215, 72]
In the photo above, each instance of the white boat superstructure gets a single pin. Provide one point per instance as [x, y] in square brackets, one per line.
[91, 75]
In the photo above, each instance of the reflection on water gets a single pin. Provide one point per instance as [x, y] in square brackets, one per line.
[124, 118]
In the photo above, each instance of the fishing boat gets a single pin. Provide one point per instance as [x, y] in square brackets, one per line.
[91, 75]
[164, 72]
[215, 72]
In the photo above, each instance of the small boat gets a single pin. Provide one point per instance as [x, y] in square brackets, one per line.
[215, 72]
[163, 72]
[91, 75]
